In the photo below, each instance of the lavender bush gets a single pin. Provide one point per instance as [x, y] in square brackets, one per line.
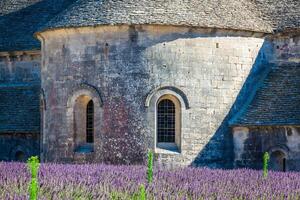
[123, 182]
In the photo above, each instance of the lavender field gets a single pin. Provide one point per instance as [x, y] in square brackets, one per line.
[122, 182]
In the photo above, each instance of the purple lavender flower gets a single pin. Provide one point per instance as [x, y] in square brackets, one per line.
[101, 181]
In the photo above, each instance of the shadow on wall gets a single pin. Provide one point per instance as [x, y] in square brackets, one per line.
[219, 151]
[18, 147]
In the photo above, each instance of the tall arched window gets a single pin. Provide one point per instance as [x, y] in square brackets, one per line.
[168, 123]
[84, 114]
[90, 122]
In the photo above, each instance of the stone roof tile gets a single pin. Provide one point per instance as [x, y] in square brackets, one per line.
[277, 101]
[19, 109]
[281, 14]
[20, 19]
[229, 14]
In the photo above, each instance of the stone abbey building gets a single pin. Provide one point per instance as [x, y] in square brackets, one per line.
[211, 83]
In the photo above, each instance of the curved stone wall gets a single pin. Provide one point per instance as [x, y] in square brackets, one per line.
[126, 64]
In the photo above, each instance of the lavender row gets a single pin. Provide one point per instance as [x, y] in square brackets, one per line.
[122, 182]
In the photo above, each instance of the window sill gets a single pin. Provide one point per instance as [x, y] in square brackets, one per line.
[85, 149]
[167, 148]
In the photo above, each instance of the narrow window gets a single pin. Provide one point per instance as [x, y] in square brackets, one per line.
[90, 122]
[166, 121]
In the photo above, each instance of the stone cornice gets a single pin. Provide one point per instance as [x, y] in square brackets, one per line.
[20, 55]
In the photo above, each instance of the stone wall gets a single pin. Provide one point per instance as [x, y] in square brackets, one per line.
[19, 76]
[251, 143]
[286, 47]
[20, 68]
[126, 64]
[18, 146]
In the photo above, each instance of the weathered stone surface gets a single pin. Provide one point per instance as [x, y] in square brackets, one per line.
[217, 76]
[126, 64]
[20, 68]
[18, 146]
[19, 105]
[269, 120]
[257, 140]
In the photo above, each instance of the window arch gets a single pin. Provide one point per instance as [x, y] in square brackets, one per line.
[168, 123]
[180, 100]
[84, 124]
[90, 122]
[278, 160]
[84, 114]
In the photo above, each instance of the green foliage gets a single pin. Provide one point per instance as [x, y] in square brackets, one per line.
[150, 167]
[266, 159]
[33, 166]
[142, 195]
[114, 196]
[33, 189]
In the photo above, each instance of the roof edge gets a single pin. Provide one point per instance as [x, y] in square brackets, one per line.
[38, 33]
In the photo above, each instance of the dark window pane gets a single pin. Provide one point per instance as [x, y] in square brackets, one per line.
[90, 122]
[166, 121]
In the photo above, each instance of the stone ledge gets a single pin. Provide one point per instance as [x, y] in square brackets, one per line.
[167, 148]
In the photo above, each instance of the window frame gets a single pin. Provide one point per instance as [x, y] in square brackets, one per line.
[169, 146]
[90, 119]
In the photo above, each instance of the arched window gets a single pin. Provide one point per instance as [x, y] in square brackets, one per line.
[167, 110]
[84, 115]
[278, 161]
[84, 121]
[168, 123]
[90, 122]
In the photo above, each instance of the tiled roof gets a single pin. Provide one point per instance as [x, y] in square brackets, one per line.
[281, 14]
[20, 19]
[277, 101]
[19, 109]
[232, 14]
